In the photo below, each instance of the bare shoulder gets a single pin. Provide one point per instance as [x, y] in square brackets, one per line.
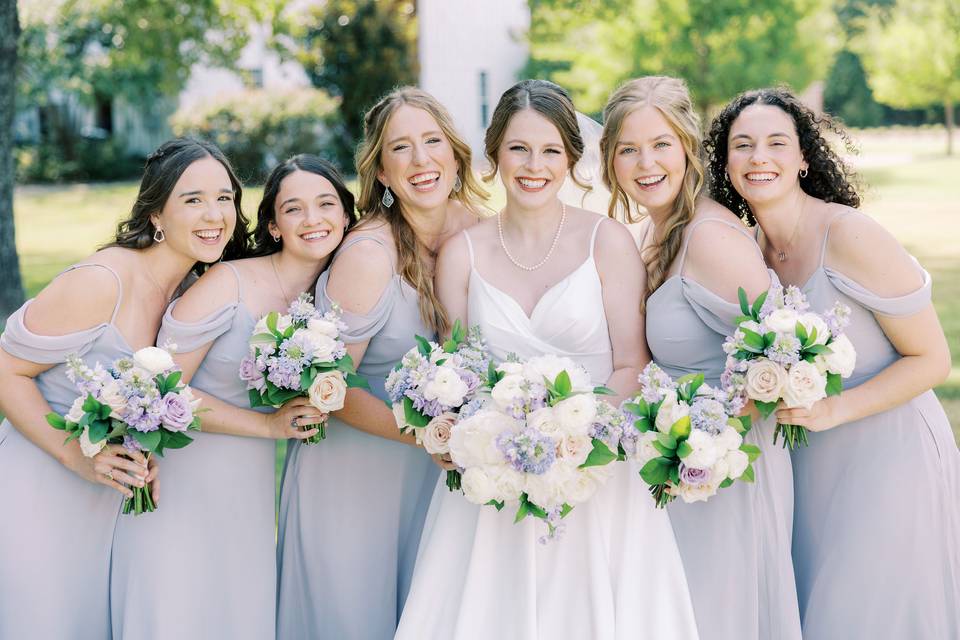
[453, 260]
[79, 299]
[612, 236]
[215, 289]
[863, 250]
[723, 256]
[361, 271]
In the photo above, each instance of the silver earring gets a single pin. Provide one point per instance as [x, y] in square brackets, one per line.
[726, 175]
[457, 185]
[387, 199]
[803, 173]
[275, 238]
[159, 235]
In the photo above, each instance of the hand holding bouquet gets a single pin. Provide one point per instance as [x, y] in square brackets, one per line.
[137, 402]
[299, 353]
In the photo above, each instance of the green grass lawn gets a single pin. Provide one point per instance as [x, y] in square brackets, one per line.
[910, 187]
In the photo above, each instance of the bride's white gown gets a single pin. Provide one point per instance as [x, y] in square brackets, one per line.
[615, 573]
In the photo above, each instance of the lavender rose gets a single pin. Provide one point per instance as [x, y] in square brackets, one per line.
[177, 413]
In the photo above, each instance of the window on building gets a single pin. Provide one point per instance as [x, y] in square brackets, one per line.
[484, 101]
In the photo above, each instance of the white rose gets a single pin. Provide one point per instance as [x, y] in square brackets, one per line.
[154, 360]
[544, 420]
[721, 469]
[546, 490]
[509, 482]
[187, 394]
[729, 439]
[579, 488]
[805, 385]
[737, 462]
[842, 359]
[811, 321]
[695, 492]
[328, 391]
[576, 413]
[670, 411]
[283, 322]
[550, 366]
[322, 347]
[473, 440]
[573, 450]
[782, 321]
[507, 390]
[400, 416]
[76, 411]
[645, 449]
[111, 396]
[436, 435]
[477, 486]
[704, 450]
[436, 353]
[446, 387]
[322, 326]
[89, 448]
[765, 380]
[510, 368]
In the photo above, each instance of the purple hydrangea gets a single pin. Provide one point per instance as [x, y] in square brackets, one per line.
[302, 310]
[654, 383]
[785, 350]
[284, 372]
[837, 318]
[528, 451]
[708, 414]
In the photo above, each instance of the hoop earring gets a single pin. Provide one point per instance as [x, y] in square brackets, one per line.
[457, 184]
[387, 199]
[803, 173]
[276, 239]
[159, 235]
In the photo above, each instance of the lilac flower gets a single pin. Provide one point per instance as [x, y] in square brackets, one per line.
[694, 476]
[431, 408]
[284, 372]
[248, 370]
[654, 383]
[837, 318]
[177, 414]
[555, 527]
[397, 384]
[471, 408]
[773, 301]
[708, 414]
[793, 298]
[528, 451]
[298, 349]
[785, 350]
[130, 444]
[302, 309]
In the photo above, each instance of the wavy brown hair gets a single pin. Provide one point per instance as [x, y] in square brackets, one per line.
[828, 178]
[411, 252]
[549, 100]
[671, 98]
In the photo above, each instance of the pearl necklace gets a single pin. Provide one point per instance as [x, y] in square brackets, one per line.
[553, 245]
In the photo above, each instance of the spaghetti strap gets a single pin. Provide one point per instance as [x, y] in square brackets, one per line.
[689, 234]
[239, 281]
[826, 235]
[349, 242]
[116, 308]
[470, 248]
[593, 237]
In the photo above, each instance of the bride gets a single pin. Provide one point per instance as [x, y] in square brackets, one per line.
[543, 277]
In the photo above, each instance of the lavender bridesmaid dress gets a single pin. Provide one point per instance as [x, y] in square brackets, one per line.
[876, 541]
[352, 507]
[735, 546]
[57, 527]
[203, 566]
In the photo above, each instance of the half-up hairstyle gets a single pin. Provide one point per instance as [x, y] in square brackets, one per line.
[828, 178]
[263, 242]
[550, 101]
[411, 251]
[671, 98]
[160, 175]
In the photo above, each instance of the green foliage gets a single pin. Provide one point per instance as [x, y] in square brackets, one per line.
[358, 50]
[720, 48]
[256, 129]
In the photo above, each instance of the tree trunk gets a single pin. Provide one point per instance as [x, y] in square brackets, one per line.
[11, 285]
[948, 117]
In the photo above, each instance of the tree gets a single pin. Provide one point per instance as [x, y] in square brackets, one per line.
[720, 48]
[11, 292]
[912, 56]
[358, 50]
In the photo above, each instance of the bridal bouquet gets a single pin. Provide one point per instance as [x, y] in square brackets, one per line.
[533, 442]
[690, 440]
[780, 351]
[299, 353]
[431, 384]
[137, 402]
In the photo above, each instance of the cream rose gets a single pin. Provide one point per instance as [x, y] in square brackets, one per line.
[111, 396]
[811, 321]
[729, 439]
[704, 450]
[153, 359]
[576, 413]
[473, 441]
[89, 448]
[509, 482]
[446, 387]
[670, 411]
[737, 462]
[842, 358]
[328, 391]
[544, 420]
[695, 492]
[322, 326]
[436, 435]
[477, 486]
[645, 449]
[573, 450]
[75, 415]
[765, 380]
[782, 321]
[510, 368]
[804, 386]
[507, 390]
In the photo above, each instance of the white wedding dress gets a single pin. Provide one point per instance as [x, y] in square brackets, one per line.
[615, 574]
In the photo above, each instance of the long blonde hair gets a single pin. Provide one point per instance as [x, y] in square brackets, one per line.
[672, 99]
[411, 251]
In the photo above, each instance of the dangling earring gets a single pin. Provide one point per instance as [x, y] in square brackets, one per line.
[803, 173]
[387, 199]
[159, 235]
[457, 185]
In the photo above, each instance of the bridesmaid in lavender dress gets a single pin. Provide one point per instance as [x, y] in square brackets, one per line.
[59, 508]
[219, 492]
[877, 519]
[735, 546]
[352, 507]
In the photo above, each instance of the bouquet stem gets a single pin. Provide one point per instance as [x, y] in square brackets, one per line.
[453, 480]
[660, 495]
[317, 437]
[141, 502]
[793, 435]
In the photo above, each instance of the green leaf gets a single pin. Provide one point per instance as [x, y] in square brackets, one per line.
[681, 428]
[746, 423]
[695, 385]
[812, 339]
[523, 510]
[272, 318]
[675, 474]
[306, 378]
[280, 396]
[493, 376]
[752, 451]
[753, 341]
[747, 474]
[91, 404]
[667, 440]
[262, 337]
[565, 509]
[818, 349]
[666, 452]
[177, 440]
[765, 408]
[643, 424]
[536, 509]
[744, 303]
[57, 421]
[149, 440]
[497, 504]
[563, 385]
[834, 384]
[637, 408]
[656, 471]
[726, 483]
[599, 456]
[801, 333]
[412, 416]
[769, 338]
[604, 391]
[346, 365]
[458, 333]
[449, 346]
[758, 304]
[683, 450]
[357, 382]
[423, 346]
[255, 399]
[736, 424]
[173, 380]
[99, 430]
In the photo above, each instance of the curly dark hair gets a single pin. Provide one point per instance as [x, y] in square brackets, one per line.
[828, 178]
